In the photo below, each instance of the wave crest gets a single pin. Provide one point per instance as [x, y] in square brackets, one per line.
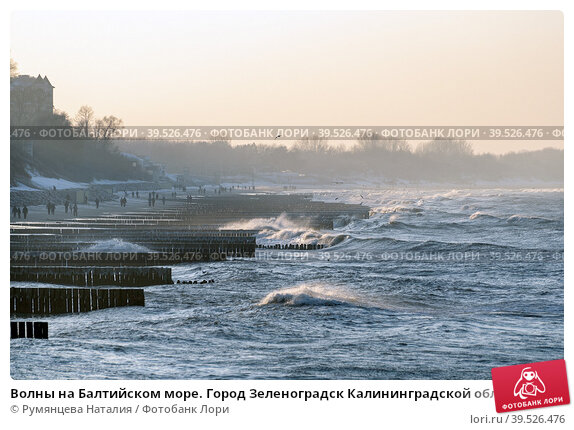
[283, 230]
[311, 295]
[116, 245]
[523, 219]
[482, 215]
[396, 209]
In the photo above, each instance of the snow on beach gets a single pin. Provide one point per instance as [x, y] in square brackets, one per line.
[47, 183]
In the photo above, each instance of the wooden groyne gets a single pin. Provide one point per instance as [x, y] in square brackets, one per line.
[232, 248]
[189, 230]
[66, 237]
[29, 329]
[52, 301]
[93, 276]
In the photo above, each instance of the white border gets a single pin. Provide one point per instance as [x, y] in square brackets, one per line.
[286, 414]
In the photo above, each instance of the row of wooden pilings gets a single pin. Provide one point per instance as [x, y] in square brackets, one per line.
[294, 246]
[93, 276]
[29, 329]
[232, 244]
[53, 301]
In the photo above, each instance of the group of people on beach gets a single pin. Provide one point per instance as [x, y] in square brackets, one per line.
[152, 197]
[18, 213]
[51, 208]
[68, 205]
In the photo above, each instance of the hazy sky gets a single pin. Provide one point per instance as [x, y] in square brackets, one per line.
[301, 68]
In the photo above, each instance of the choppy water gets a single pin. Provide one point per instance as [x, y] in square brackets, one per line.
[435, 285]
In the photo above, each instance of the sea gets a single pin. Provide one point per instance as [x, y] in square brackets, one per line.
[436, 284]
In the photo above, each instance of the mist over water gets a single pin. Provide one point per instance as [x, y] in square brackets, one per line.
[436, 284]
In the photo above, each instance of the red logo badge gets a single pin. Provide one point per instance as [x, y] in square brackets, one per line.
[529, 386]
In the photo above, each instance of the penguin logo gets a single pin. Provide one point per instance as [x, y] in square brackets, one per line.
[529, 384]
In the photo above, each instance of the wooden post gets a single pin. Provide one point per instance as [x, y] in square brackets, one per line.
[58, 301]
[94, 299]
[13, 329]
[85, 295]
[43, 307]
[21, 329]
[29, 329]
[40, 330]
[103, 298]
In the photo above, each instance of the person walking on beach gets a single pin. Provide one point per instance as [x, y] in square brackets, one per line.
[75, 209]
[19, 213]
[25, 211]
[14, 212]
[97, 203]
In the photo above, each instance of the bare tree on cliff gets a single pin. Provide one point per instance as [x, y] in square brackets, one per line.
[84, 118]
[107, 126]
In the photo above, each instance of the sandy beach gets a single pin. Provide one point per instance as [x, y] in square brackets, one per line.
[39, 213]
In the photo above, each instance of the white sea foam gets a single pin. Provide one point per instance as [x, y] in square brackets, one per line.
[479, 214]
[116, 245]
[396, 209]
[314, 295]
[516, 219]
[285, 230]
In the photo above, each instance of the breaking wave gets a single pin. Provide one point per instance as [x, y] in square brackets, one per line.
[513, 219]
[396, 209]
[482, 215]
[522, 219]
[312, 295]
[283, 230]
[116, 245]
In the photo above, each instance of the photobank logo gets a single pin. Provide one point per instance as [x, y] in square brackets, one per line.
[529, 386]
